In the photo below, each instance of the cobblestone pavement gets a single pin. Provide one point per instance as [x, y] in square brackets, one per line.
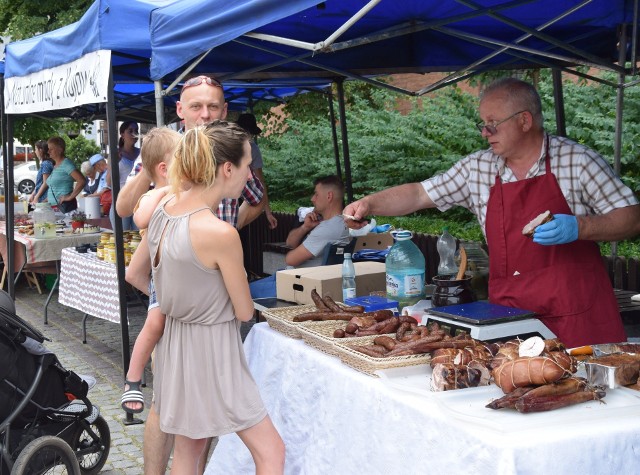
[101, 357]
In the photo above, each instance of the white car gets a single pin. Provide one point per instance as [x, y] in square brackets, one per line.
[24, 177]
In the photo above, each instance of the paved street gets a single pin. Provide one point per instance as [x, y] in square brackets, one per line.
[101, 357]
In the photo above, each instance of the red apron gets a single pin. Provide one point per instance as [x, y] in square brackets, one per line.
[566, 285]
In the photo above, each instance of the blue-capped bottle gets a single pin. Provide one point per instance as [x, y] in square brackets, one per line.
[405, 269]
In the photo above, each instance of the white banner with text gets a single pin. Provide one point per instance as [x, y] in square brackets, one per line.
[83, 81]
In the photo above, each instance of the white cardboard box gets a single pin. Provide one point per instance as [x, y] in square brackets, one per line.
[378, 241]
[295, 285]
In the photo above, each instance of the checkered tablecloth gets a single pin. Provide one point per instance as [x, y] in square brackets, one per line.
[89, 285]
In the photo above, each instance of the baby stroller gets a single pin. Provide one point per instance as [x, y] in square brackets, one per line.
[47, 423]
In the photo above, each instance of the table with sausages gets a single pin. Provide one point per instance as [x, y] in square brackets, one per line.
[334, 419]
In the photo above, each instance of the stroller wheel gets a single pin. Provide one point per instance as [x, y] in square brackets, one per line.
[91, 444]
[46, 455]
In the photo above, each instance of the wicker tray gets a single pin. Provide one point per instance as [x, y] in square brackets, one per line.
[368, 364]
[320, 336]
[281, 319]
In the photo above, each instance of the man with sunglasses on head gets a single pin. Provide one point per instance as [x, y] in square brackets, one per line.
[201, 102]
[559, 273]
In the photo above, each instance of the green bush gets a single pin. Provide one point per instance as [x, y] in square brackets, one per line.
[388, 147]
[80, 149]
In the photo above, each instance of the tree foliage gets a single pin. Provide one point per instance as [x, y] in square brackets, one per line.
[20, 19]
[80, 149]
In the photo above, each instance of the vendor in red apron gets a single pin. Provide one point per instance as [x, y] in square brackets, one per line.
[559, 273]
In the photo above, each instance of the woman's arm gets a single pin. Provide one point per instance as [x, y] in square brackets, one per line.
[231, 264]
[42, 189]
[139, 271]
[80, 181]
[147, 205]
[217, 245]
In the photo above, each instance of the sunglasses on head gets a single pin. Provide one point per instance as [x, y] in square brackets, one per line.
[196, 81]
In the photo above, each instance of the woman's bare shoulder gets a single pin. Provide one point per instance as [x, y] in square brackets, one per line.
[213, 226]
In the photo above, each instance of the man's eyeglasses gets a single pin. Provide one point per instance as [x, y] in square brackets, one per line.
[493, 127]
[196, 81]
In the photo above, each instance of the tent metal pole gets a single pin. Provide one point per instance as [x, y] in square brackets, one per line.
[112, 126]
[634, 36]
[558, 99]
[6, 132]
[334, 134]
[159, 95]
[345, 140]
[8, 209]
[617, 146]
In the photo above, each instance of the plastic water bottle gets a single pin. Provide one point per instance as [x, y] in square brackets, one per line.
[348, 278]
[405, 271]
[447, 250]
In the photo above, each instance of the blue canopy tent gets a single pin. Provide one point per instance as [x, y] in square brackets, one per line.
[356, 39]
[114, 35]
[72, 72]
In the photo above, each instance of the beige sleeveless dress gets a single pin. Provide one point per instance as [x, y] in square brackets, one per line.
[202, 384]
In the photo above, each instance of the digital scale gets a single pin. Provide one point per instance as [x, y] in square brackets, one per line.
[487, 322]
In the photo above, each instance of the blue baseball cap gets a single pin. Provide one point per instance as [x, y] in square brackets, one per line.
[95, 159]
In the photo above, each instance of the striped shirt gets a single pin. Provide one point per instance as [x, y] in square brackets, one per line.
[587, 181]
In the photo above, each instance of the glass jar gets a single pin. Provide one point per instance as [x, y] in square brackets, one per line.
[44, 221]
[450, 291]
[127, 255]
[135, 242]
[477, 268]
[110, 250]
[100, 251]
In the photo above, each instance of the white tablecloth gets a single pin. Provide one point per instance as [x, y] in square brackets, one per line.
[336, 420]
[89, 285]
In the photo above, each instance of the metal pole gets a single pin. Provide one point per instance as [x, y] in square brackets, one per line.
[4, 132]
[112, 125]
[159, 95]
[8, 209]
[345, 139]
[334, 134]
[617, 146]
[558, 99]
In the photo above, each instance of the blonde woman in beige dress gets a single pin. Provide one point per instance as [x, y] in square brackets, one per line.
[202, 385]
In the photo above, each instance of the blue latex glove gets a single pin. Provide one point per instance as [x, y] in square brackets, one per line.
[563, 228]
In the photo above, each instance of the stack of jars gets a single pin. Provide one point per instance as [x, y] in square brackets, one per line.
[106, 249]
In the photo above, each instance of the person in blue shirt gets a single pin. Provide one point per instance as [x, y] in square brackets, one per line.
[65, 181]
[46, 167]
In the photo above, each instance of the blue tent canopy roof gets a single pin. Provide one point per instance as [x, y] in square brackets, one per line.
[411, 36]
[117, 25]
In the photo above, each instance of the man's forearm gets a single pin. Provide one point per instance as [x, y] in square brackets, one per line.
[296, 236]
[131, 193]
[248, 213]
[399, 200]
[617, 225]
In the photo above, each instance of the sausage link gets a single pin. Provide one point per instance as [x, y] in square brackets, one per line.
[317, 300]
[329, 302]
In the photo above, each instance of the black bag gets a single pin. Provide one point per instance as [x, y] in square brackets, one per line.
[68, 206]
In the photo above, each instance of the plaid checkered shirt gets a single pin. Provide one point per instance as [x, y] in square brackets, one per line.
[252, 193]
[587, 181]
